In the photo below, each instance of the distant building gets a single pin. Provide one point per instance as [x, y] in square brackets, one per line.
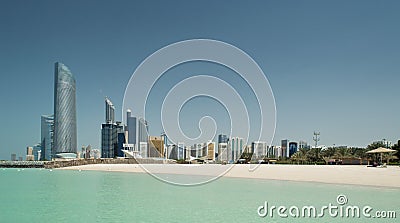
[112, 134]
[284, 148]
[108, 140]
[37, 150]
[110, 111]
[259, 148]
[88, 152]
[222, 138]
[47, 137]
[278, 151]
[292, 148]
[131, 127]
[120, 141]
[143, 137]
[303, 145]
[236, 145]
[271, 152]
[156, 146]
[112, 140]
[65, 133]
[143, 149]
[13, 157]
[181, 151]
[29, 154]
[211, 151]
[223, 151]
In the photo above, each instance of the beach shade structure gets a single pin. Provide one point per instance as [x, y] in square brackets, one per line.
[381, 150]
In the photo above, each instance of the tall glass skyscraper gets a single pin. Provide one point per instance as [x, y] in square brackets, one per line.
[65, 136]
[47, 133]
[110, 110]
[131, 125]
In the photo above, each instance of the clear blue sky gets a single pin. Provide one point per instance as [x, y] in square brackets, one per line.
[334, 66]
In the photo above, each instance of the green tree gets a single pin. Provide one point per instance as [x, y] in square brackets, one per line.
[314, 155]
[328, 152]
[343, 152]
[300, 155]
[375, 145]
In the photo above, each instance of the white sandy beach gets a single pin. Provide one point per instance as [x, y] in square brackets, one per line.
[335, 174]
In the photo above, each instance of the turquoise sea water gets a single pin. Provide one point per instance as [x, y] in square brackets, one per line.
[38, 195]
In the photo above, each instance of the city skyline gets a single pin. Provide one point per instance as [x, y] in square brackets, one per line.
[333, 67]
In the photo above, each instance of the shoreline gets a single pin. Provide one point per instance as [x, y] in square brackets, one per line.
[335, 174]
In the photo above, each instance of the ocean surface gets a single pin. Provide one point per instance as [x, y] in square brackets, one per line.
[39, 195]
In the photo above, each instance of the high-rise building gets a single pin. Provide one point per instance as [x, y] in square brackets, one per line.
[259, 149]
[65, 135]
[223, 151]
[13, 157]
[292, 148]
[211, 150]
[143, 137]
[236, 148]
[222, 138]
[29, 154]
[108, 140]
[110, 112]
[303, 145]
[131, 127]
[181, 151]
[112, 140]
[112, 134]
[37, 150]
[156, 146]
[271, 151]
[47, 137]
[284, 148]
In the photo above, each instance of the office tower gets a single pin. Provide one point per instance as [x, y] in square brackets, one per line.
[259, 149]
[193, 151]
[120, 139]
[108, 140]
[110, 110]
[112, 140]
[131, 127]
[87, 152]
[65, 136]
[223, 151]
[303, 145]
[248, 149]
[181, 151]
[284, 148]
[112, 134]
[222, 138]
[47, 137]
[199, 150]
[142, 138]
[36, 150]
[236, 148]
[292, 148]
[156, 146]
[211, 150]
[29, 154]
[271, 151]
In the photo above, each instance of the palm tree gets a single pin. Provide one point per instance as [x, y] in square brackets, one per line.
[314, 154]
[343, 152]
[328, 152]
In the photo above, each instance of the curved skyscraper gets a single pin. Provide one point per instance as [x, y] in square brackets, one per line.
[64, 111]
